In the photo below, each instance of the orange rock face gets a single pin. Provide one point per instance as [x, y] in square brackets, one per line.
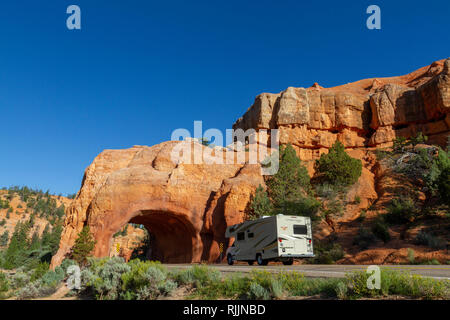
[369, 112]
[186, 207]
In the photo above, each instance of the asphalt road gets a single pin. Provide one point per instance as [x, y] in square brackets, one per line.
[329, 271]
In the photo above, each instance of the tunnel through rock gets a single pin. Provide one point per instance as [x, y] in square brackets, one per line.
[171, 236]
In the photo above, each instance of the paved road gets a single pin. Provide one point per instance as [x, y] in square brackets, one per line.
[329, 271]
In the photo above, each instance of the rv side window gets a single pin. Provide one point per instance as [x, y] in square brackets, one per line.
[240, 236]
[300, 229]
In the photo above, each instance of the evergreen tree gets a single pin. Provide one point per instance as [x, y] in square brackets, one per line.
[15, 255]
[4, 239]
[290, 188]
[292, 181]
[260, 204]
[337, 167]
[83, 246]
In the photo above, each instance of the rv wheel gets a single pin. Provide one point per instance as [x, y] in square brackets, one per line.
[230, 260]
[260, 260]
[250, 262]
[288, 262]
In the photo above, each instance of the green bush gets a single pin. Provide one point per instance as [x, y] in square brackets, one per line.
[260, 204]
[198, 275]
[327, 253]
[400, 210]
[20, 279]
[4, 239]
[398, 283]
[364, 238]
[443, 184]
[145, 280]
[40, 270]
[411, 256]
[103, 277]
[426, 239]
[381, 231]
[337, 167]
[258, 292]
[4, 283]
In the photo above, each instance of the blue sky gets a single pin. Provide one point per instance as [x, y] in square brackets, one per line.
[137, 70]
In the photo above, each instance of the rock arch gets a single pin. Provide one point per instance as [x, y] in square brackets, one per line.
[186, 206]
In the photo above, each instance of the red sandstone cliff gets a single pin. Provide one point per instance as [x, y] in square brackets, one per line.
[187, 207]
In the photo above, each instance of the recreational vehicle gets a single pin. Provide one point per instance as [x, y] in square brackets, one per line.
[274, 238]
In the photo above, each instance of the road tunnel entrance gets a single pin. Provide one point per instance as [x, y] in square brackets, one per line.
[171, 236]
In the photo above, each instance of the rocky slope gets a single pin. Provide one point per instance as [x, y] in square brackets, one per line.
[188, 207]
[19, 212]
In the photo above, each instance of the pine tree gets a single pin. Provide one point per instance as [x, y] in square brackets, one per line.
[260, 204]
[290, 188]
[292, 181]
[4, 239]
[83, 246]
[337, 167]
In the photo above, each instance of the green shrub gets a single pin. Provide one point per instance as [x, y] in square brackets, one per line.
[40, 270]
[443, 184]
[327, 253]
[53, 278]
[103, 278]
[145, 280]
[19, 280]
[381, 154]
[341, 290]
[357, 199]
[398, 283]
[198, 275]
[381, 231]
[426, 239]
[258, 292]
[411, 256]
[4, 239]
[4, 283]
[260, 204]
[337, 167]
[400, 210]
[364, 238]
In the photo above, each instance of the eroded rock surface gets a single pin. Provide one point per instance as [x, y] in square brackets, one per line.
[185, 206]
[366, 113]
[188, 207]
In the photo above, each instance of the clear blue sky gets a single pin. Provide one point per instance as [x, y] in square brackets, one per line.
[140, 69]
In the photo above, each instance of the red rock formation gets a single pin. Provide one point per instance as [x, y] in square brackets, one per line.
[185, 206]
[365, 113]
[188, 207]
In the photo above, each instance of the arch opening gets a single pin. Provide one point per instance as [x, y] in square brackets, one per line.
[171, 236]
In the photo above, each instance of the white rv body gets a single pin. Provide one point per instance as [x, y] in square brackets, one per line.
[277, 238]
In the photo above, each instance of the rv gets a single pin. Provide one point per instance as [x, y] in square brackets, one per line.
[274, 238]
